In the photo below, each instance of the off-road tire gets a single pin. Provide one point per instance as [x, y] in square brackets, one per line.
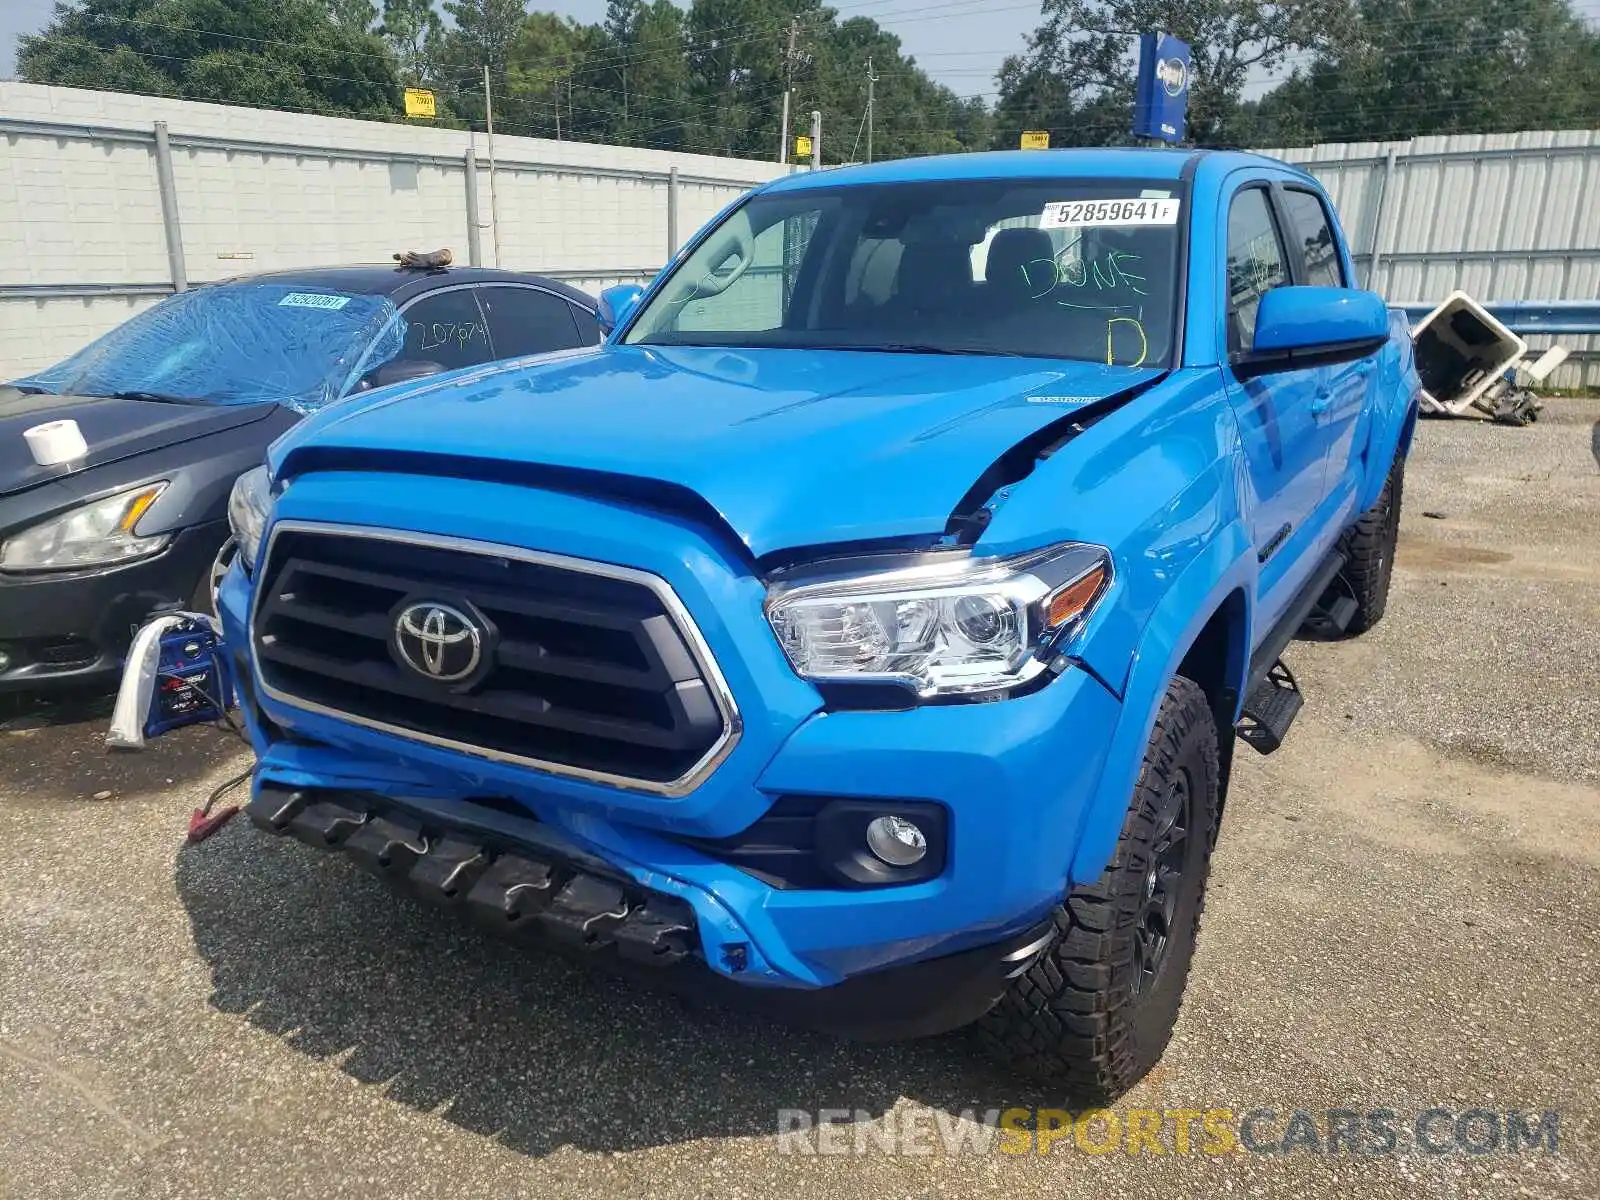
[1086, 1017]
[1369, 549]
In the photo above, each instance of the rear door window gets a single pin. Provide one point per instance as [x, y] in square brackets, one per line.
[526, 320]
[447, 328]
[1313, 235]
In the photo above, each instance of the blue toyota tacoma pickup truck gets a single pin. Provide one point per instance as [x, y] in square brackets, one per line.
[865, 629]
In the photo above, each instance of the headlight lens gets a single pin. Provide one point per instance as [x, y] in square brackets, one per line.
[247, 513]
[971, 626]
[91, 535]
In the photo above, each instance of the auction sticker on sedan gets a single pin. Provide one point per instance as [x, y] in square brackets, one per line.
[1076, 214]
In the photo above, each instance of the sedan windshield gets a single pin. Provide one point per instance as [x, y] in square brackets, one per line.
[234, 343]
[1081, 269]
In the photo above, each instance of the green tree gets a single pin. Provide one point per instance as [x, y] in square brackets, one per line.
[354, 15]
[412, 30]
[1411, 67]
[287, 54]
[1077, 75]
[548, 61]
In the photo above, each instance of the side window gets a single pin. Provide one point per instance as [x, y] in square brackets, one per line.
[524, 320]
[446, 328]
[1255, 262]
[759, 298]
[1314, 233]
[588, 327]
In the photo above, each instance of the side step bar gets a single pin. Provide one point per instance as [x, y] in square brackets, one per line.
[1272, 697]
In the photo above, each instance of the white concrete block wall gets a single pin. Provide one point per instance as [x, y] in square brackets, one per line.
[81, 206]
[34, 333]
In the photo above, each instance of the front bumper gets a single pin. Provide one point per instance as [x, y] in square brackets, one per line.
[521, 882]
[1015, 777]
[73, 629]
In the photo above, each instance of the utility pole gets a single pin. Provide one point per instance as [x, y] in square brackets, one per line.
[494, 200]
[788, 86]
[872, 79]
[816, 139]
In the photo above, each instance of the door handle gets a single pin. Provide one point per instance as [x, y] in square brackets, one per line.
[1322, 402]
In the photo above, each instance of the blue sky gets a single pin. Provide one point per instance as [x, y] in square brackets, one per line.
[959, 42]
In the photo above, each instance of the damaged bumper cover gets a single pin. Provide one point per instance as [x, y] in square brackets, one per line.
[534, 896]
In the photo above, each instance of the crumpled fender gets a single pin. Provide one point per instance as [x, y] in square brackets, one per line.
[1226, 564]
[1160, 483]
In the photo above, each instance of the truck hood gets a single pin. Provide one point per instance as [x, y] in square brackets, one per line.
[114, 429]
[791, 447]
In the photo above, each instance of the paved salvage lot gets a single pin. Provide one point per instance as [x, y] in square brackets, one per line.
[1402, 915]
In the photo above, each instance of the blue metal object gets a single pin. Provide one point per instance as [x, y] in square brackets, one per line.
[718, 469]
[1161, 95]
[1569, 317]
[617, 304]
[193, 683]
[1298, 318]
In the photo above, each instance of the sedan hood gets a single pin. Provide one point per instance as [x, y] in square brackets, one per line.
[791, 447]
[114, 429]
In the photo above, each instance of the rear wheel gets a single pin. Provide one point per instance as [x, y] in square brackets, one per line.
[1369, 549]
[1096, 1011]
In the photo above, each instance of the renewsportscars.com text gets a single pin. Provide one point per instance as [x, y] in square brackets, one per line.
[1207, 1131]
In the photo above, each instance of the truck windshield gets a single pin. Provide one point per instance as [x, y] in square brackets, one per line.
[1081, 269]
[234, 343]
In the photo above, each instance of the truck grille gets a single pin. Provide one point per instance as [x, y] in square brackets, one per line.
[580, 668]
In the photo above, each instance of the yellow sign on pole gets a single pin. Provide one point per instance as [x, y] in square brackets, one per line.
[1036, 139]
[419, 102]
[802, 146]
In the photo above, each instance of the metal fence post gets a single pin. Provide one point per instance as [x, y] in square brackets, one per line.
[474, 234]
[1375, 246]
[169, 210]
[672, 212]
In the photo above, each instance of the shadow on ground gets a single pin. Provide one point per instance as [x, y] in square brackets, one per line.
[520, 1045]
[53, 749]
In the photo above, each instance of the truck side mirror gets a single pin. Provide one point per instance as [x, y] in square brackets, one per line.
[1298, 327]
[617, 304]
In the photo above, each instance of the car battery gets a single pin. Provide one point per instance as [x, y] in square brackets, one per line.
[193, 681]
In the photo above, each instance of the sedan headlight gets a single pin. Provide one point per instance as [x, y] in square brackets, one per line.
[248, 504]
[964, 628]
[91, 535]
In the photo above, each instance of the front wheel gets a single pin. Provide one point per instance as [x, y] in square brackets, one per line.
[1096, 1011]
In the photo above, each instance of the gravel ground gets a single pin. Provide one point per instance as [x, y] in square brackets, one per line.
[1401, 916]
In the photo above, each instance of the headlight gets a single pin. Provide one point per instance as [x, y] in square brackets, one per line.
[247, 513]
[972, 626]
[91, 535]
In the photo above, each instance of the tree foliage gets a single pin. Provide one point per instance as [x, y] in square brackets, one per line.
[1077, 75]
[1405, 68]
[709, 75]
[289, 54]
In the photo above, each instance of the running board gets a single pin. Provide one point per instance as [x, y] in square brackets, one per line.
[1270, 709]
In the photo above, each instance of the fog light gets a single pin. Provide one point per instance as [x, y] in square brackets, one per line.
[5, 661]
[896, 841]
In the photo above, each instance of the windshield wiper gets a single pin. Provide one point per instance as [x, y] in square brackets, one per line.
[156, 397]
[915, 348]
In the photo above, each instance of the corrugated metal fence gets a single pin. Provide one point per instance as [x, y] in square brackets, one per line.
[1503, 217]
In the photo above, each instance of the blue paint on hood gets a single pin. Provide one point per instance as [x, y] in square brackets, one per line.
[791, 447]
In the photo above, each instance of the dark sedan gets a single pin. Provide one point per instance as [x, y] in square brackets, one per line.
[177, 402]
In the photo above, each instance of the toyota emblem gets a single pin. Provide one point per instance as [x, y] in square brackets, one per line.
[438, 641]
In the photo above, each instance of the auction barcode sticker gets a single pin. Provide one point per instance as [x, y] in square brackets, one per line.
[313, 300]
[1076, 214]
